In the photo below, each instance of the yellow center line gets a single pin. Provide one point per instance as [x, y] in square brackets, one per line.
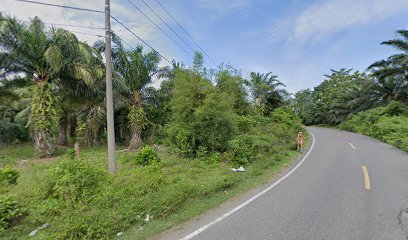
[352, 146]
[367, 183]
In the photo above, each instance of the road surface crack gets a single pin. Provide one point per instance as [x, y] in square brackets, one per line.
[403, 221]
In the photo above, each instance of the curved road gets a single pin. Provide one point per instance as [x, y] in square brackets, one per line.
[348, 187]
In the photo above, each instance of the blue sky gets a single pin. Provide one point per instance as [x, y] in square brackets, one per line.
[299, 40]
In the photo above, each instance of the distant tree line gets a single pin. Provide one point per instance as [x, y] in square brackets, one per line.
[345, 92]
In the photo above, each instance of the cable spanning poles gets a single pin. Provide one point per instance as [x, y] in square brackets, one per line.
[88, 34]
[134, 34]
[94, 11]
[61, 6]
[75, 26]
[161, 19]
[161, 29]
[182, 28]
[84, 33]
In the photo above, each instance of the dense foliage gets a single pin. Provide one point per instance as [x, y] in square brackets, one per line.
[9, 211]
[373, 103]
[182, 138]
[389, 124]
[345, 93]
[341, 95]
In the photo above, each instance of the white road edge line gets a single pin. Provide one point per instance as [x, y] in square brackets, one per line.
[196, 232]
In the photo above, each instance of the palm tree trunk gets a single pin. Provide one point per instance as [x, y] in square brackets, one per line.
[136, 140]
[43, 142]
[63, 137]
[73, 128]
[43, 117]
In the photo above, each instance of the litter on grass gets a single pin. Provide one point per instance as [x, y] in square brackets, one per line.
[34, 232]
[240, 169]
[44, 226]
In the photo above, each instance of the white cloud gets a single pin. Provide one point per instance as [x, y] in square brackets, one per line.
[223, 5]
[125, 13]
[26, 11]
[321, 20]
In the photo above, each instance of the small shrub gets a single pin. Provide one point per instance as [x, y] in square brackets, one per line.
[286, 116]
[71, 154]
[215, 122]
[8, 175]
[201, 152]
[242, 150]
[213, 158]
[146, 156]
[74, 181]
[185, 142]
[245, 124]
[9, 211]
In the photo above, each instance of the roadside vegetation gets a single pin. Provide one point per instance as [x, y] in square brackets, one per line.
[373, 102]
[178, 143]
[388, 124]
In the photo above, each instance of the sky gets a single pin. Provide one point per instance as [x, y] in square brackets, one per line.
[298, 40]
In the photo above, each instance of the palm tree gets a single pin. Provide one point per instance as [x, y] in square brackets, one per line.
[362, 95]
[75, 82]
[138, 72]
[42, 56]
[266, 91]
[394, 69]
[14, 108]
[134, 71]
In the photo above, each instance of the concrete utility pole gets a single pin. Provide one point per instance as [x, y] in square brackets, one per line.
[109, 95]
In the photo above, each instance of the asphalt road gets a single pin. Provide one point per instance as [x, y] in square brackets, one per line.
[348, 187]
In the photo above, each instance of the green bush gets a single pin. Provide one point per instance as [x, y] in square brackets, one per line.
[73, 181]
[71, 153]
[245, 124]
[146, 156]
[9, 211]
[213, 158]
[242, 149]
[393, 130]
[184, 142]
[215, 122]
[201, 152]
[286, 116]
[389, 124]
[8, 175]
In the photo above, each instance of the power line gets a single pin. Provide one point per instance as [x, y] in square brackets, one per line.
[160, 29]
[127, 44]
[89, 34]
[69, 25]
[61, 6]
[76, 26]
[124, 26]
[158, 16]
[96, 11]
[174, 19]
[87, 27]
[97, 35]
